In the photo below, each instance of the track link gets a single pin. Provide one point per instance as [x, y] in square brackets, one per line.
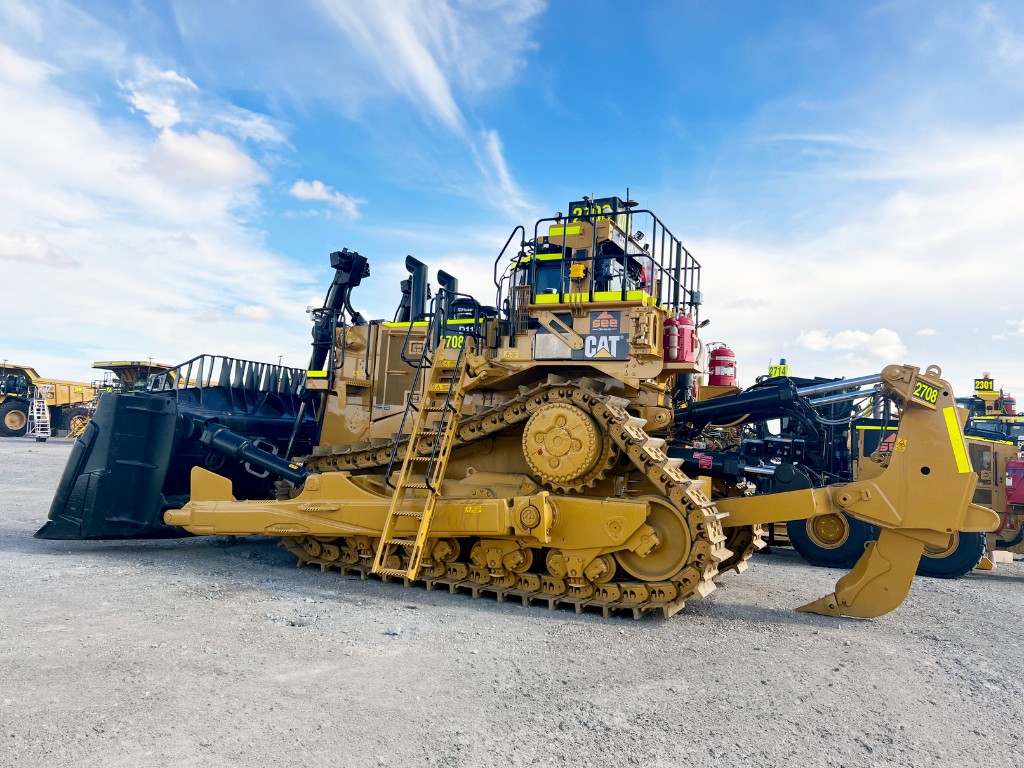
[695, 578]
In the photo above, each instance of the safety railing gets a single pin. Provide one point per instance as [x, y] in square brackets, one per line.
[208, 371]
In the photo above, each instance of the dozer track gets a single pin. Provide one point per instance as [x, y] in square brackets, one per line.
[681, 513]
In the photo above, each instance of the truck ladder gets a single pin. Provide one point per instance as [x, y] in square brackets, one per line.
[38, 418]
[430, 446]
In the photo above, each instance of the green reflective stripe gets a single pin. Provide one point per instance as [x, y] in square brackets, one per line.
[603, 296]
[956, 439]
[572, 229]
[540, 257]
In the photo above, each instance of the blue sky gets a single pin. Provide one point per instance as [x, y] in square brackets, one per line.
[851, 175]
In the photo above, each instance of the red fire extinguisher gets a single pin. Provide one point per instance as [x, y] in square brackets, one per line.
[687, 336]
[722, 367]
[671, 340]
[680, 340]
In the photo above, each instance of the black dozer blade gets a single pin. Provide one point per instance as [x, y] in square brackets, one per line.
[135, 458]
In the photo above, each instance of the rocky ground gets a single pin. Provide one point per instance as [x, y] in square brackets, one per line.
[200, 653]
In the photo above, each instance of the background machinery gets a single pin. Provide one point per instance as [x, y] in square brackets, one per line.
[127, 375]
[519, 449]
[856, 447]
[66, 401]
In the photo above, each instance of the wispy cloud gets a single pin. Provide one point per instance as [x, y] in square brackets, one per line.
[1003, 44]
[166, 99]
[317, 191]
[426, 50]
[499, 185]
[430, 53]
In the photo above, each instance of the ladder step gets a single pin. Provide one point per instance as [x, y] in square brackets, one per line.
[420, 486]
[392, 572]
[417, 513]
[401, 542]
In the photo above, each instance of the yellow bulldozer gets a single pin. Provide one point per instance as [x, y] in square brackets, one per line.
[67, 402]
[519, 449]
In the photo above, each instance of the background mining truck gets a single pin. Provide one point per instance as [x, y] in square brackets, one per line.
[517, 449]
[66, 401]
[127, 375]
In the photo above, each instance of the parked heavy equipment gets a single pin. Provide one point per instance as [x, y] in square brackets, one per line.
[66, 401]
[519, 449]
[993, 413]
[127, 375]
[836, 541]
[857, 445]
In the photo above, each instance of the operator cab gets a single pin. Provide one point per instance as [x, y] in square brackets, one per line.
[600, 253]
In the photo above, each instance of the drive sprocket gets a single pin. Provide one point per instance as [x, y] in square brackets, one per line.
[565, 449]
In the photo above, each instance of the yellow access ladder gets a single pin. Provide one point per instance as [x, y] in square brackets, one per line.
[429, 447]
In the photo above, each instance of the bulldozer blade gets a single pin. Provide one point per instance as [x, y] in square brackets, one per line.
[878, 583]
[135, 457]
[113, 483]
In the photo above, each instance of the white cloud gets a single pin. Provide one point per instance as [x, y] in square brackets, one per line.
[889, 238]
[156, 92]
[22, 72]
[250, 126]
[166, 99]
[317, 191]
[883, 344]
[1016, 328]
[253, 312]
[156, 221]
[201, 160]
[32, 249]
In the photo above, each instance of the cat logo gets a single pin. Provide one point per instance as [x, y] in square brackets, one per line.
[605, 322]
[601, 346]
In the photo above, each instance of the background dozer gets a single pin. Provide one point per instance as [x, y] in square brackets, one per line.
[518, 449]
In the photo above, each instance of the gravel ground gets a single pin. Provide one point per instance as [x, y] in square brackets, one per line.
[204, 653]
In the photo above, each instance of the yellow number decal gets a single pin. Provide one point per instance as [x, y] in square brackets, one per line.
[926, 392]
